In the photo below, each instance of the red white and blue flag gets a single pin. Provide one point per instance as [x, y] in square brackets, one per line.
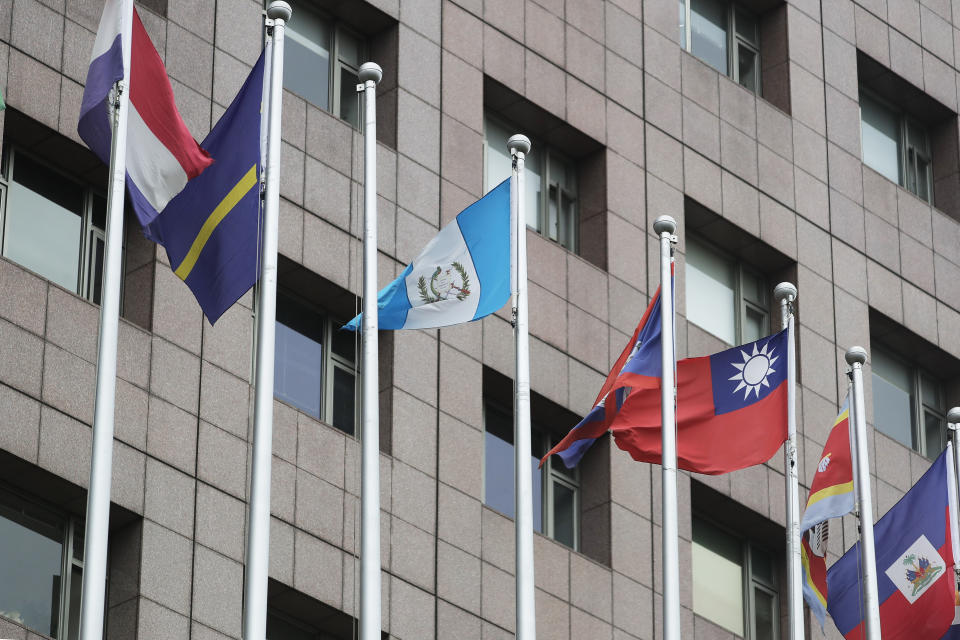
[161, 154]
[731, 406]
[915, 565]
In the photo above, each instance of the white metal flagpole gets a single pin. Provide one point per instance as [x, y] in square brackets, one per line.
[665, 226]
[855, 357]
[953, 424]
[258, 526]
[101, 465]
[786, 293]
[519, 146]
[370, 75]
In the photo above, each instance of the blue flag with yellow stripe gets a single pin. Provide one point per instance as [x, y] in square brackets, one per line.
[211, 229]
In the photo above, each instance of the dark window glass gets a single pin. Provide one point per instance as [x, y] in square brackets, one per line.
[298, 368]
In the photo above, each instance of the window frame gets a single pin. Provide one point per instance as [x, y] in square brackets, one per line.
[547, 154]
[741, 303]
[906, 149]
[548, 474]
[68, 556]
[734, 40]
[749, 579]
[919, 408]
[336, 27]
[330, 361]
[89, 231]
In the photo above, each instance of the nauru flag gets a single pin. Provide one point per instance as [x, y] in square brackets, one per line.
[915, 552]
[161, 154]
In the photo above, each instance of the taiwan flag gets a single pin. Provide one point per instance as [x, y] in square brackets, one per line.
[731, 410]
[915, 566]
[731, 406]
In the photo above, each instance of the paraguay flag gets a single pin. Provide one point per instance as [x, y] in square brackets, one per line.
[831, 496]
[463, 273]
[161, 154]
[915, 565]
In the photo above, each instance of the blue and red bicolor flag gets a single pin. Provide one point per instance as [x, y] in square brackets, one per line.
[915, 566]
[731, 406]
[161, 154]
[639, 364]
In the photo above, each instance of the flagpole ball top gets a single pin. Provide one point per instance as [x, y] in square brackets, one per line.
[785, 290]
[953, 416]
[279, 10]
[664, 224]
[518, 143]
[370, 71]
[856, 355]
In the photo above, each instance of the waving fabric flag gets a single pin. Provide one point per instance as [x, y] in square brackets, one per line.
[915, 565]
[463, 273]
[831, 496]
[642, 353]
[731, 406]
[161, 154]
[211, 229]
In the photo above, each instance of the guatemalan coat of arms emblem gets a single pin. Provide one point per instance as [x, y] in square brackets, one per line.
[445, 284]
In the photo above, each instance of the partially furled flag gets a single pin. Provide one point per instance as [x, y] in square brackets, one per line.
[463, 273]
[161, 154]
[642, 353]
[211, 229]
[731, 406]
[831, 496]
[915, 565]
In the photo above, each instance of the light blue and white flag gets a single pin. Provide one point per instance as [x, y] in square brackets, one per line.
[463, 274]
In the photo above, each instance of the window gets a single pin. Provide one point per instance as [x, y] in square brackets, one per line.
[908, 403]
[52, 224]
[895, 145]
[316, 365]
[41, 567]
[292, 615]
[556, 512]
[725, 36]
[551, 181]
[734, 582]
[321, 62]
[724, 296]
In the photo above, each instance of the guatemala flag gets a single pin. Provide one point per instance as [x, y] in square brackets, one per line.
[463, 274]
[161, 154]
[915, 564]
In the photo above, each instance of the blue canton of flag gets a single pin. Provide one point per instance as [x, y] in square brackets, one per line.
[211, 229]
[749, 375]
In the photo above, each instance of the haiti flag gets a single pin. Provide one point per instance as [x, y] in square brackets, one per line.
[915, 565]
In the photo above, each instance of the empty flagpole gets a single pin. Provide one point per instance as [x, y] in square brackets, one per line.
[855, 357]
[258, 528]
[519, 146]
[786, 293]
[101, 465]
[665, 226]
[953, 424]
[370, 75]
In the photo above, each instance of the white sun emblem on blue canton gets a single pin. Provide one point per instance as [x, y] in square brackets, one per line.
[754, 370]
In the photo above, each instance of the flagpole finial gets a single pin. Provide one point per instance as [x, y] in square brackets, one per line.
[279, 9]
[953, 416]
[856, 355]
[519, 143]
[664, 223]
[785, 291]
[370, 71]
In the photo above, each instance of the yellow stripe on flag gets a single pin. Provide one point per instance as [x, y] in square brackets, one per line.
[808, 576]
[226, 205]
[826, 492]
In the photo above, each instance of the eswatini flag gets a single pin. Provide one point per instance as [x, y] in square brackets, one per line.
[831, 496]
[161, 154]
